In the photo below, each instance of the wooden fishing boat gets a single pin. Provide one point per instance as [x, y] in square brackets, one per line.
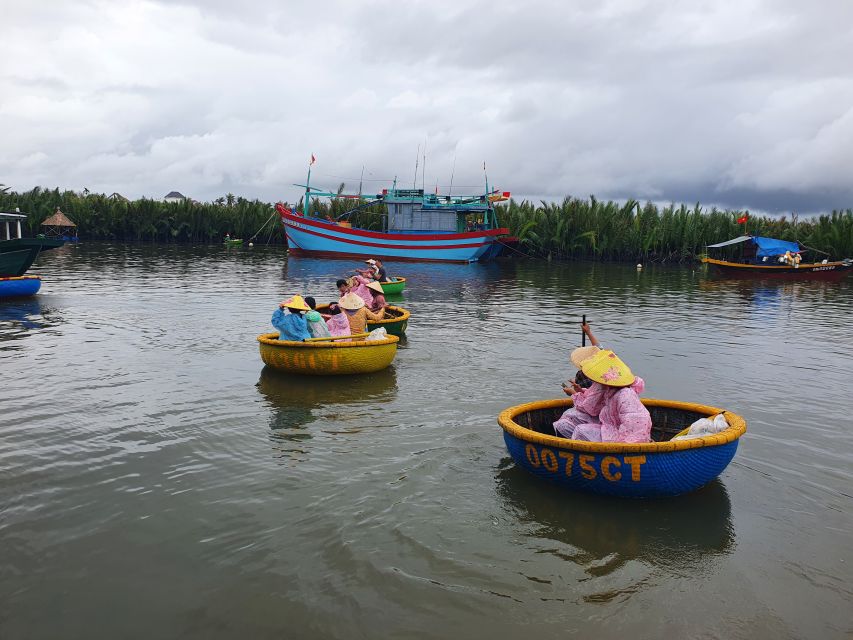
[762, 257]
[394, 286]
[395, 322]
[19, 286]
[835, 270]
[416, 226]
[324, 357]
[638, 470]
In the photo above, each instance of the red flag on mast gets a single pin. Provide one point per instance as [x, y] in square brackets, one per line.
[743, 218]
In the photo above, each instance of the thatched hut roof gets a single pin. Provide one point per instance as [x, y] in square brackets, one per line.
[58, 219]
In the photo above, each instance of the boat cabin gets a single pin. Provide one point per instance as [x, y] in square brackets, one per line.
[410, 210]
[10, 225]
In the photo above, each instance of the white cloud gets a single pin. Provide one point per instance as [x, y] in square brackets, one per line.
[730, 102]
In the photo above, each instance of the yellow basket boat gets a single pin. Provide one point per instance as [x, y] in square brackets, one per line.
[324, 357]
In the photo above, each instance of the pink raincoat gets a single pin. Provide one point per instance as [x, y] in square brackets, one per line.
[607, 414]
[338, 325]
[360, 289]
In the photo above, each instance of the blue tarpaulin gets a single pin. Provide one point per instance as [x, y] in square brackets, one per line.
[772, 247]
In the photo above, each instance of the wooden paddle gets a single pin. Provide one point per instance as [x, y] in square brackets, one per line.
[355, 335]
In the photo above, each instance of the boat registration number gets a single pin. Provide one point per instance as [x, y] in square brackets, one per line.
[824, 268]
[611, 468]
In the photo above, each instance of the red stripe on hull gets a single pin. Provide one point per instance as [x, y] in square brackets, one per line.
[335, 255]
[468, 235]
[404, 247]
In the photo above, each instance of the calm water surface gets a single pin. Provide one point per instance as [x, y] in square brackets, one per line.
[158, 482]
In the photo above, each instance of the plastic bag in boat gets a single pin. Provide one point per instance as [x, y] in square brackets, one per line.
[377, 334]
[705, 427]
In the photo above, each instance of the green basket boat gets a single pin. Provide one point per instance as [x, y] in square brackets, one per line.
[232, 242]
[394, 285]
[395, 322]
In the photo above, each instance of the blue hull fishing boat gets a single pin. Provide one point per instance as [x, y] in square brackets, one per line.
[17, 254]
[415, 227]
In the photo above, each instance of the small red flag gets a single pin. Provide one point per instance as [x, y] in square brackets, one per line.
[743, 219]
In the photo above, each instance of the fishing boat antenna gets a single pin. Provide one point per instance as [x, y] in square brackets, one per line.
[360, 181]
[423, 175]
[452, 171]
[417, 161]
[486, 176]
[306, 207]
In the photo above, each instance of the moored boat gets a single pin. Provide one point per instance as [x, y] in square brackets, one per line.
[640, 470]
[771, 258]
[322, 357]
[18, 286]
[416, 226]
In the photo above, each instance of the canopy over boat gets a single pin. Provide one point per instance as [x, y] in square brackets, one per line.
[765, 247]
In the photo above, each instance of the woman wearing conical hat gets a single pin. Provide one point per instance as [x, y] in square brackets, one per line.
[610, 409]
[290, 321]
[379, 303]
[357, 313]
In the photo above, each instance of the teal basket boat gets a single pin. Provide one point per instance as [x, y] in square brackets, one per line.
[394, 286]
[636, 470]
[233, 242]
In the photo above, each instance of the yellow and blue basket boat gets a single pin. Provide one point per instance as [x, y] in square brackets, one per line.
[324, 357]
[636, 470]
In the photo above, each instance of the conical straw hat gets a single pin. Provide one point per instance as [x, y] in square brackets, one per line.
[296, 302]
[605, 367]
[376, 287]
[351, 301]
[582, 353]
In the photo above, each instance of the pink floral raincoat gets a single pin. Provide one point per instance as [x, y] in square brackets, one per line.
[607, 414]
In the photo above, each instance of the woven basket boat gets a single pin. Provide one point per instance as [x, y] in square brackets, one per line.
[328, 357]
[638, 470]
[16, 286]
[393, 286]
[395, 322]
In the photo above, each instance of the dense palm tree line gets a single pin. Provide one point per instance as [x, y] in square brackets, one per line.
[101, 217]
[590, 229]
[572, 229]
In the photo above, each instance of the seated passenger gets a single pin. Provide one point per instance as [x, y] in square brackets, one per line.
[610, 409]
[316, 325]
[337, 322]
[357, 313]
[343, 287]
[358, 286]
[289, 321]
[379, 303]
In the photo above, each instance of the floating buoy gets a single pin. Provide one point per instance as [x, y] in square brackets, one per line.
[639, 266]
[251, 244]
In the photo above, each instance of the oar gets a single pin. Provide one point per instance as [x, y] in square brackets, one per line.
[355, 335]
[583, 333]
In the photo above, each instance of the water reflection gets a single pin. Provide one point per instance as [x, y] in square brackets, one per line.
[18, 317]
[294, 399]
[678, 532]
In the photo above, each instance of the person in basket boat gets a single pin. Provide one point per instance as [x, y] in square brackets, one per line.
[357, 313]
[343, 287]
[337, 322]
[316, 325]
[379, 303]
[610, 409]
[381, 274]
[290, 321]
[370, 272]
[358, 285]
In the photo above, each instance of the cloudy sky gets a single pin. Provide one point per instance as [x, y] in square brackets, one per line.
[745, 103]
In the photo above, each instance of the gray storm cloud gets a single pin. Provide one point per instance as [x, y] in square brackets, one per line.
[741, 104]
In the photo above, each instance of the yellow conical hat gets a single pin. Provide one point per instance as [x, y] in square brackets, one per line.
[582, 353]
[605, 367]
[296, 302]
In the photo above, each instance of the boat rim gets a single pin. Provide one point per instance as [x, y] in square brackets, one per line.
[737, 427]
[271, 340]
[405, 314]
[775, 267]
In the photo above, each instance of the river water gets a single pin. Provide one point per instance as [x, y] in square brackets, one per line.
[158, 482]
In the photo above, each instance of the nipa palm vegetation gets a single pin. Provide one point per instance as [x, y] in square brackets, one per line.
[590, 229]
[571, 229]
[101, 217]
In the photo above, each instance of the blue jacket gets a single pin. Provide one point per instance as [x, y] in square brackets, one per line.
[291, 326]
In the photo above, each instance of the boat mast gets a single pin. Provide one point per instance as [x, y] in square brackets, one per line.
[305, 207]
[488, 204]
